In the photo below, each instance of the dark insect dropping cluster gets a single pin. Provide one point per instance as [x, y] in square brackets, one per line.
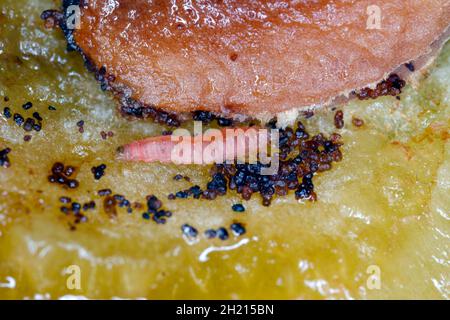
[80, 125]
[112, 202]
[104, 192]
[206, 117]
[74, 209]
[123, 202]
[28, 124]
[410, 66]
[7, 112]
[154, 211]
[194, 191]
[134, 109]
[106, 135]
[221, 233]
[18, 119]
[339, 119]
[4, 160]
[52, 18]
[189, 231]
[62, 175]
[27, 106]
[98, 171]
[179, 177]
[238, 229]
[392, 86]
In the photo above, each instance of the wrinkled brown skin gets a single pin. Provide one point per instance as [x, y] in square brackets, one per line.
[253, 57]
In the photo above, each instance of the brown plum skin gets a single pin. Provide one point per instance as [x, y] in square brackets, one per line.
[256, 57]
